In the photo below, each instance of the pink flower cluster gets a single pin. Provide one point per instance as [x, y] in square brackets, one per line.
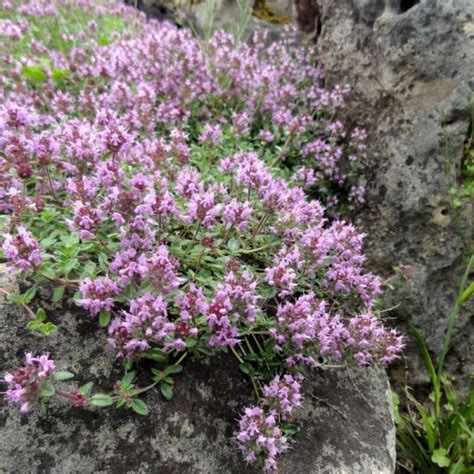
[24, 384]
[147, 324]
[283, 395]
[234, 302]
[260, 438]
[22, 250]
[98, 294]
[306, 329]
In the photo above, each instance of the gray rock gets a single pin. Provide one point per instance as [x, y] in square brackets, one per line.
[346, 423]
[410, 64]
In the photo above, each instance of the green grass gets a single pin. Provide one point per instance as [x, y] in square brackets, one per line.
[50, 30]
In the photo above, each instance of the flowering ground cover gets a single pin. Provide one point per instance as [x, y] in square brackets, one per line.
[179, 190]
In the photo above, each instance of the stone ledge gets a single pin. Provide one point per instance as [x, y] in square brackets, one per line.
[346, 424]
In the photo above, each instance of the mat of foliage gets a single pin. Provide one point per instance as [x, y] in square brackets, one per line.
[180, 187]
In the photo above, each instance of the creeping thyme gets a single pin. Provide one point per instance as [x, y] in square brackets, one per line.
[187, 196]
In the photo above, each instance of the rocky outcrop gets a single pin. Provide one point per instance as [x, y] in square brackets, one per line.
[410, 66]
[346, 424]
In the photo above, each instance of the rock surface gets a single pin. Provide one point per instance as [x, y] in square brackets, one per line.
[410, 65]
[346, 424]
[204, 17]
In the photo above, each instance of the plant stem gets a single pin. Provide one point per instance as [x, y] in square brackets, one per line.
[252, 379]
[283, 151]
[51, 184]
[249, 345]
[259, 228]
[181, 358]
[227, 234]
[237, 355]
[255, 388]
[28, 309]
[259, 249]
[144, 389]
[197, 230]
[256, 342]
[329, 366]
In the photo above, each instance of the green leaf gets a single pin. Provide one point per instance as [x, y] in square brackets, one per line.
[120, 403]
[139, 407]
[86, 388]
[206, 350]
[103, 261]
[440, 457]
[45, 243]
[58, 293]
[41, 315]
[103, 40]
[101, 400]
[48, 273]
[428, 421]
[159, 375]
[34, 73]
[289, 429]
[29, 295]
[246, 368]
[48, 329]
[166, 390]
[15, 299]
[268, 292]
[466, 294]
[63, 375]
[127, 379]
[428, 362]
[190, 342]
[47, 389]
[71, 265]
[251, 357]
[233, 245]
[459, 467]
[59, 74]
[173, 369]
[89, 269]
[127, 363]
[34, 325]
[157, 355]
[395, 409]
[104, 318]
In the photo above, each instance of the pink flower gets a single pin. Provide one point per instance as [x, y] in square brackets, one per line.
[25, 383]
[203, 209]
[260, 438]
[266, 136]
[144, 325]
[86, 219]
[211, 134]
[237, 213]
[97, 295]
[22, 250]
[162, 270]
[283, 278]
[283, 394]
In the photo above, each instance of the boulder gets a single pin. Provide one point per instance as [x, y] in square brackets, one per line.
[410, 66]
[345, 424]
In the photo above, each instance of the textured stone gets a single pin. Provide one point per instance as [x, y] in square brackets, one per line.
[346, 423]
[410, 65]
